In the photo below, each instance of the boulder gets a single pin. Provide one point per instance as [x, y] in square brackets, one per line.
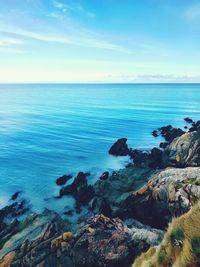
[79, 189]
[63, 179]
[119, 148]
[170, 133]
[184, 151]
[188, 120]
[15, 195]
[104, 176]
[169, 193]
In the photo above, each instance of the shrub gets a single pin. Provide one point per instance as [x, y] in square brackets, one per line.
[177, 234]
[195, 242]
[162, 255]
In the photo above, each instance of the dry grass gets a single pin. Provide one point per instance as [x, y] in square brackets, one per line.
[180, 246]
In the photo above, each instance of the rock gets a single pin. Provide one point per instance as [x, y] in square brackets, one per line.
[170, 133]
[119, 148]
[169, 193]
[195, 126]
[155, 158]
[118, 187]
[104, 176]
[188, 120]
[155, 133]
[163, 145]
[15, 195]
[184, 151]
[105, 208]
[108, 242]
[39, 240]
[69, 212]
[79, 189]
[63, 179]
[12, 211]
[138, 156]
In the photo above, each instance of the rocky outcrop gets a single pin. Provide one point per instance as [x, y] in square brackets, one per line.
[110, 243]
[35, 242]
[44, 240]
[119, 148]
[184, 151]
[169, 193]
[117, 188]
[169, 133]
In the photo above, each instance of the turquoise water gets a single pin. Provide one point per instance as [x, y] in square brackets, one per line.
[49, 130]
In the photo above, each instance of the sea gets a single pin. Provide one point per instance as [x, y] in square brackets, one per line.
[48, 130]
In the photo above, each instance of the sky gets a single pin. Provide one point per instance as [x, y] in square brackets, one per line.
[99, 41]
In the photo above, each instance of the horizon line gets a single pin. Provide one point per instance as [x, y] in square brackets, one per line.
[97, 83]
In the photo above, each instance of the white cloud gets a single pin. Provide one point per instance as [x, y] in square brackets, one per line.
[68, 39]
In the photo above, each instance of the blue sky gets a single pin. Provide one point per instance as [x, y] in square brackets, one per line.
[99, 41]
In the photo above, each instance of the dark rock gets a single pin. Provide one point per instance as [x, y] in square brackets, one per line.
[155, 158]
[15, 195]
[188, 120]
[104, 176]
[105, 208]
[195, 126]
[119, 148]
[138, 156]
[79, 189]
[170, 133]
[155, 133]
[69, 212]
[185, 127]
[63, 179]
[163, 145]
[105, 242]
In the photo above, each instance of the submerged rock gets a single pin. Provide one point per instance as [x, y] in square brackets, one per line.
[119, 148]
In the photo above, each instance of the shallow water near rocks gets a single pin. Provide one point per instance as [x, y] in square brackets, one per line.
[50, 130]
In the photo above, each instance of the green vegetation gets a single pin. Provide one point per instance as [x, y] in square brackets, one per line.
[162, 255]
[180, 246]
[177, 235]
[195, 242]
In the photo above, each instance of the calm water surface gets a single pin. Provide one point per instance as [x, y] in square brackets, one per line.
[48, 130]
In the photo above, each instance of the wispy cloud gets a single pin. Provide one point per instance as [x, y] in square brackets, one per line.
[62, 6]
[10, 41]
[153, 78]
[73, 39]
[75, 7]
[193, 12]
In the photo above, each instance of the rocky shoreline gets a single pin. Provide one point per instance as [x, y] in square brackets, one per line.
[127, 211]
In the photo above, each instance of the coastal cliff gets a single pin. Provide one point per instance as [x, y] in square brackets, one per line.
[128, 212]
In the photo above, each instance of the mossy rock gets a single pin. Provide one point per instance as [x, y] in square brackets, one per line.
[177, 234]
